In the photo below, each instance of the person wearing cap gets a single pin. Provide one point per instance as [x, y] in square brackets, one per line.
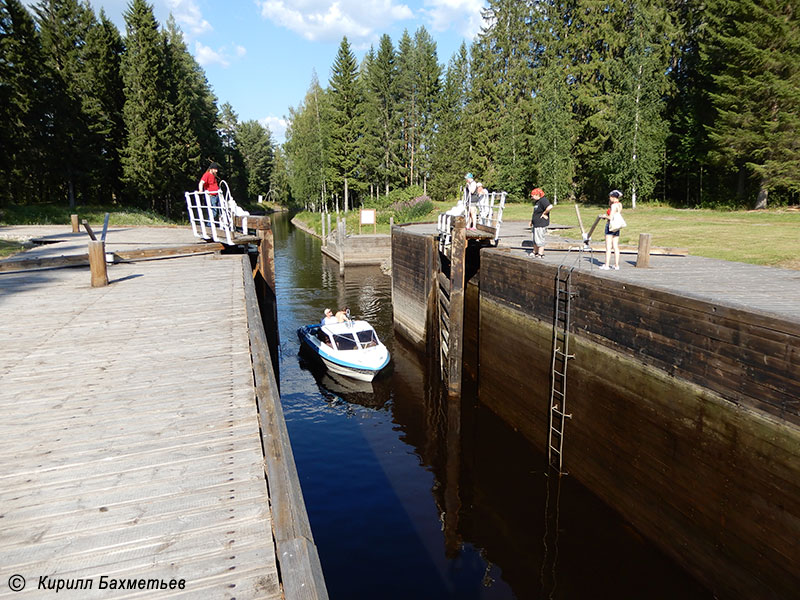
[612, 237]
[208, 184]
[540, 219]
[328, 319]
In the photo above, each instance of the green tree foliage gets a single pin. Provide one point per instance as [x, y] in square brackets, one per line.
[638, 129]
[346, 109]
[756, 95]
[279, 187]
[254, 142]
[451, 150]
[25, 94]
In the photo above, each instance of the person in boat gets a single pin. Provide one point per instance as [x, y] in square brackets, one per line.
[343, 315]
[328, 318]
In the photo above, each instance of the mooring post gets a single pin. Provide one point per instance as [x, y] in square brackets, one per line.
[643, 255]
[340, 243]
[322, 217]
[97, 263]
[456, 339]
[75, 225]
[266, 252]
[391, 223]
[329, 230]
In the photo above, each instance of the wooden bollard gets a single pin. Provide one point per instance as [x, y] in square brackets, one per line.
[341, 233]
[75, 224]
[97, 263]
[643, 255]
[266, 252]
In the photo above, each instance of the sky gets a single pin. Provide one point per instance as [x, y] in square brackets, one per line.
[259, 55]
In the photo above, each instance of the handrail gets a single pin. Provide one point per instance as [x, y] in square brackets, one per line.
[213, 214]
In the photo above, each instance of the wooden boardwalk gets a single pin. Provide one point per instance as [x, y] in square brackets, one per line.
[129, 441]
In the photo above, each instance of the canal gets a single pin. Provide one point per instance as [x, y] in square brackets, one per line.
[374, 462]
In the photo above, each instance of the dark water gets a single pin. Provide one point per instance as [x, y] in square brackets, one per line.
[401, 507]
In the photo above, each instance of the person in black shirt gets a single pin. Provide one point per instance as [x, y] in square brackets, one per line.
[540, 219]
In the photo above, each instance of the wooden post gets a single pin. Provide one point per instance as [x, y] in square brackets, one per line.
[266, 252]
[97, 263]
[391, 223]
[340, 242]
[328, 230]
[322, 216]
[75, 226]
[643, 255]
[456, 339]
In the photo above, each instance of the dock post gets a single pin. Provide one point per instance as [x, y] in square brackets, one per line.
[391, 223]
[75, 225]
[643, 255]
[340, 242]
[456, 339]
[266, 253]
[97, 263]
[328, 230]
[322, 217]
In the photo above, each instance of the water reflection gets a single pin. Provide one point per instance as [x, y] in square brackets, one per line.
[412, 495]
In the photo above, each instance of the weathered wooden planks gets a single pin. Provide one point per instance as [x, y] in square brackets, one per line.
[130, 443]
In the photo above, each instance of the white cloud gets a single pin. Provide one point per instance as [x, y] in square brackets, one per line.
[208, 56]
[328, 20]
[277, 127]
[241, 51]
[189, 17]
[462, 15]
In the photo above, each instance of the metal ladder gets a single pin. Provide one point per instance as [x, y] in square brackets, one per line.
[561, 356]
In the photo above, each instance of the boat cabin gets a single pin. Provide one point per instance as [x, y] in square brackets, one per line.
[349, 335]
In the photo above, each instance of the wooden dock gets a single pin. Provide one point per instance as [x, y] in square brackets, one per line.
[131, 437]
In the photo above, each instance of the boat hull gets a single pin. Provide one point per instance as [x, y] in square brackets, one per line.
[336, 363]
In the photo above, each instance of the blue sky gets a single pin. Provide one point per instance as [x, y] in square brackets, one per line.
[259, 54]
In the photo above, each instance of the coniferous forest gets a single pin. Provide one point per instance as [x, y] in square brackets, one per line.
[680, 101]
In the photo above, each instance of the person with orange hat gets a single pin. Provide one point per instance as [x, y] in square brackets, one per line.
[540, 219]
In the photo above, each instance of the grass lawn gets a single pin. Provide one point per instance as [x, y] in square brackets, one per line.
[766, 237]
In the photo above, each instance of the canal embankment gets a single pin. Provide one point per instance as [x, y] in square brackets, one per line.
[683, 393]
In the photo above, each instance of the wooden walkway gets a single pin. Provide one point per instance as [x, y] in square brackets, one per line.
[129, 440]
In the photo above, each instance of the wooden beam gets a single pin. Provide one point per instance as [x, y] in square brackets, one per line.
[598, 247]
[88, 229]
[456, 340]
[298, 559]
[44, 262]
[133, 255]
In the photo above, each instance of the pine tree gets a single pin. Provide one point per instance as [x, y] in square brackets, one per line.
[382, 96]
[254, 143]
[369, 148]
[345, 101]
[103, 104]
[145, 162]
[451, 153]
[639, 130]
[25, 94]
[233, 168]
[64, 27]
[757, 91]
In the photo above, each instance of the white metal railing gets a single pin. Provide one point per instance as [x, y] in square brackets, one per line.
[489, 214]
[212, 214]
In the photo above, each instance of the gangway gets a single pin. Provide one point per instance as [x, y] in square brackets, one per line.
[213, 215]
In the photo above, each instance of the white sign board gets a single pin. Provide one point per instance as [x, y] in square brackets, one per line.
[368, 216]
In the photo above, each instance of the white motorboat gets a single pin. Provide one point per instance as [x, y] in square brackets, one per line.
[350, 348]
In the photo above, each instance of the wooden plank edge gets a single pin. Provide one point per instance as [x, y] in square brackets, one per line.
[298, 559]
[564, 246]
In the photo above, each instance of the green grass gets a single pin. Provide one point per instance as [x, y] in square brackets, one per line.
[10, 248]
[48, 214]
[766, 237]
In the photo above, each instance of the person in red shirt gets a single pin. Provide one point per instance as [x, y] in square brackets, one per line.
[208, 183]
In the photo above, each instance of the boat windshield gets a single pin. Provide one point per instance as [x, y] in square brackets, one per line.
[345, 342]
[367, 338]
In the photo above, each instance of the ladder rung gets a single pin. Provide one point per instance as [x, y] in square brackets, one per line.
[559, 393]
[561, 414]
[556, 450]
